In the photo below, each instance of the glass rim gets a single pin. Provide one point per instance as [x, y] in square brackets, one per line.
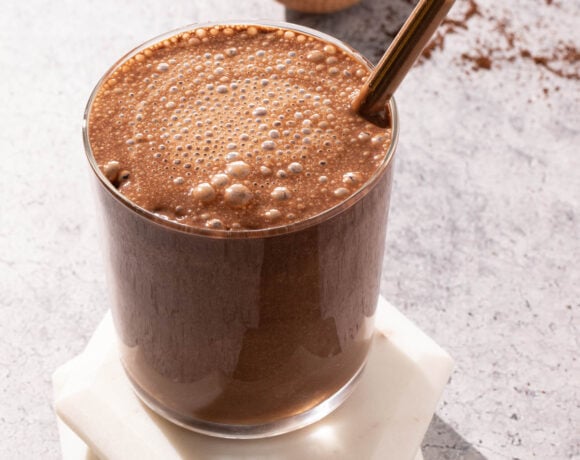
[327, 214]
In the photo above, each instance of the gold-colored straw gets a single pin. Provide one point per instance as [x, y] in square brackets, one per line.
[399, 58]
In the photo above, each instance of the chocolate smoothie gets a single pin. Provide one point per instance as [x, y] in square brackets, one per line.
[245, 208]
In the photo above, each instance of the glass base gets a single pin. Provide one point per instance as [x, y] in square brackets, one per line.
[264, 430]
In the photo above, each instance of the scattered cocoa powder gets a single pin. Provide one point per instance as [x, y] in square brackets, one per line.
[563, 53]
[451, 25]
[479, 62]
[502, 42]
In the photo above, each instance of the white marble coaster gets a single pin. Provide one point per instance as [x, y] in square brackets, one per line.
[384, 419]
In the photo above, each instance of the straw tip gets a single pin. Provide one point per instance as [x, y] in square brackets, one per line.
[377, 113]
[382, 119]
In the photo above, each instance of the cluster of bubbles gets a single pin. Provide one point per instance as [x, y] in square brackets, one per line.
[246, 124]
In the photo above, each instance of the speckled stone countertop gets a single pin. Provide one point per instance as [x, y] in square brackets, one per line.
[483, 247]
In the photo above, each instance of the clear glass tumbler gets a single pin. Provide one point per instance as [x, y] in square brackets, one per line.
[248, 333]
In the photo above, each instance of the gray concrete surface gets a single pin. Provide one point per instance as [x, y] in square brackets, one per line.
[483, 246]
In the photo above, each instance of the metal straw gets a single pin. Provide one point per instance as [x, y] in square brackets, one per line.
[399, 58]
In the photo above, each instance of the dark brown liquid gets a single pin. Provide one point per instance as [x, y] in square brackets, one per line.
[246, 330]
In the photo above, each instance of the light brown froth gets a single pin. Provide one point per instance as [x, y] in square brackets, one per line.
[235, 128]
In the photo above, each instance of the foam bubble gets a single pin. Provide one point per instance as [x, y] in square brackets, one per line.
[204, 192]
[329, 49]
[220, 180]
[378, 140]
[315, 56]
[273, 214]
[259, 111]
[341, 192]
[230, 156]
[268, 145]
[111, 170]
[237, 196]
[238, 169]
[281, 194]
[214, 223]
[295, 168]
[364, 137]
[352, 178]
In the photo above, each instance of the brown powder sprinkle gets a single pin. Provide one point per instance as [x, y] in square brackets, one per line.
[479, 62]
[451, 25]
[503, 41]
[562, 53]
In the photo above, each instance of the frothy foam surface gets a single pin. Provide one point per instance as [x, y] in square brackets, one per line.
[235, 127]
